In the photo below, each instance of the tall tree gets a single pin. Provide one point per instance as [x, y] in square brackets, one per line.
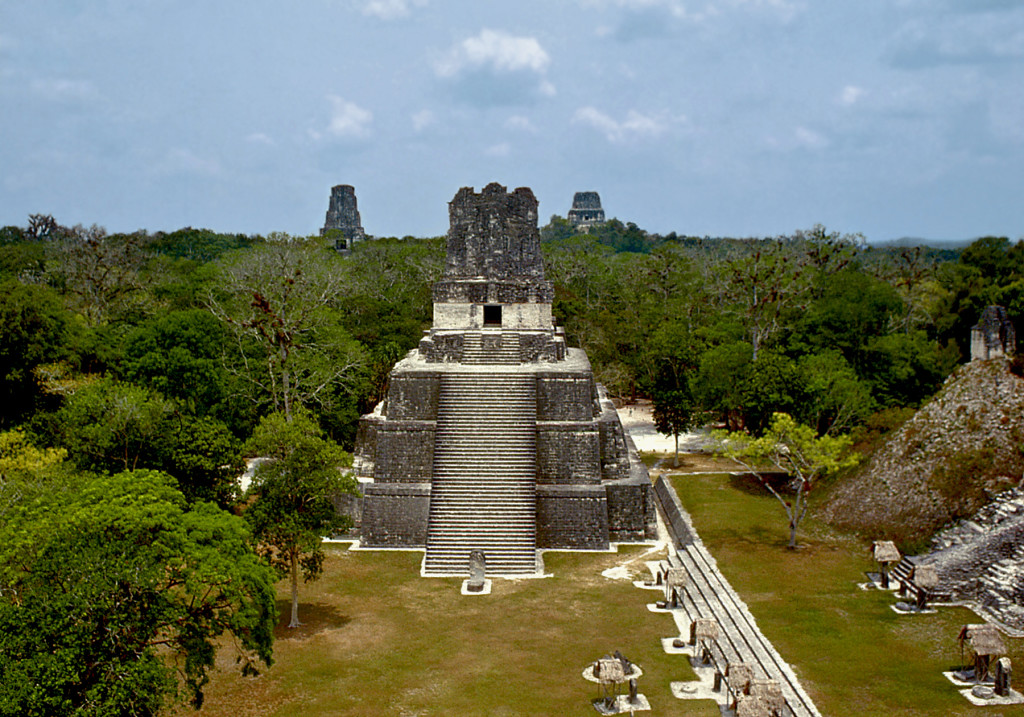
[797, 451]
[112, 426]
[292, 508]
[768, 279]
[115, 598]
[291, 345]
[101, 271]
[34, 330]
[675, 412]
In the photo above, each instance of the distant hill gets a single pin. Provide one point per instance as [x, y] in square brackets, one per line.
[947, 461]
[902, 242]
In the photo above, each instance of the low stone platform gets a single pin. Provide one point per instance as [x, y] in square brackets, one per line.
[705, 595]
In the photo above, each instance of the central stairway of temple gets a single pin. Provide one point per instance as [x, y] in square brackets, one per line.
[483, 493]
[501, 348]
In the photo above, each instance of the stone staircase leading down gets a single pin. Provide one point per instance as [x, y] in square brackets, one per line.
[500, 348]
[483, 495]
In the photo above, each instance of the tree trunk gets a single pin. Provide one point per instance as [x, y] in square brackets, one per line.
[285, 385]
[676, 434]
[295, 590]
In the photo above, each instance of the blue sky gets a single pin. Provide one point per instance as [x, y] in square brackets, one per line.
[890, 118]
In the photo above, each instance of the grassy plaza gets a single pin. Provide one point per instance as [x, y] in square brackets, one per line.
[378, 639]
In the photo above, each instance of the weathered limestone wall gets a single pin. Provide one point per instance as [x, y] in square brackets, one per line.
[672, 510]
[493, 234]
[631, 510]
[614, 449]
[412, 395]
[405, 451]
[572, 516]
[470, 317]
[586, 210]
[993, 336]
[395, 514]
[366, 445]
[513, 290]
[566, 397]
[534, 346]
[343, 216]
[568, 453]
[542, 346]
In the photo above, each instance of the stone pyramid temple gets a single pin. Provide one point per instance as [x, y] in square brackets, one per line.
[493, 435]
[343, 218]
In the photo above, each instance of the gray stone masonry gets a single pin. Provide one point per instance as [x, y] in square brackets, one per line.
[993, 336]
[342, 215]
[493, 235]
[586, 210]
[493, 435]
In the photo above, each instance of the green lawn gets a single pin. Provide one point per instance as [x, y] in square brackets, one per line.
[380, 640]
[853, 653]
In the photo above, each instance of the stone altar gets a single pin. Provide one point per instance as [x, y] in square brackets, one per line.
[493, 434]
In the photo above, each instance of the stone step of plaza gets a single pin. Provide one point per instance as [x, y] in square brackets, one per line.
[486, 467]
[457, 455]
[482, 534]
[491, 348]
[451, 563]
[496, 483]
[476, 509]
[483, 493]
[499, 443]
[478, 520]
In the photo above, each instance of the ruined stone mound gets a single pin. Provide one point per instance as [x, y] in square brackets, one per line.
[945, 463]
[981, 560]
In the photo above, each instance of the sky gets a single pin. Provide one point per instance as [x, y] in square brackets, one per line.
[888, 118]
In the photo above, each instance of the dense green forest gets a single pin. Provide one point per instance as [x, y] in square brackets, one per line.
[135, 369]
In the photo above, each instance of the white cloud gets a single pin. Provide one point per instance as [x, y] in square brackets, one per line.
[503, 149]
[850, 95]
[809, 139]
[348, 120]
[495, 68]
[185, 161]
[978, 39]
[496, 51]
[64, 90]
[260, 138]
[518, 122]
[675, 7]
[422, 119]
[641, 20]
[634, 126]
[391, 9]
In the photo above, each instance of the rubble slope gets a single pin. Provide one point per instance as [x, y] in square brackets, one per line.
[950, 459]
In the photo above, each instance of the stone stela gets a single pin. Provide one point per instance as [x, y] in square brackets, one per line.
[493, 435]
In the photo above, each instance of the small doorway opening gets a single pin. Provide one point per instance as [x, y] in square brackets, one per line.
[492, 315]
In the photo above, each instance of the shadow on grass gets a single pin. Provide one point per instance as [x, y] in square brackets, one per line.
[749, 484]
[316, 617]
[756, 537]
